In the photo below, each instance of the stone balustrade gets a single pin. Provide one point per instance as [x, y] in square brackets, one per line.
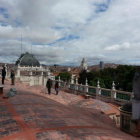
[109, 95]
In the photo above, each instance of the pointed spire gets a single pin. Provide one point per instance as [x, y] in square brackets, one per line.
[83, 61]
[84, 65]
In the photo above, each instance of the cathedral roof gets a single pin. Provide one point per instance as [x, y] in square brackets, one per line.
[27, 59]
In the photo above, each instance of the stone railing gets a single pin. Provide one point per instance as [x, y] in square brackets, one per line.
[109, 95]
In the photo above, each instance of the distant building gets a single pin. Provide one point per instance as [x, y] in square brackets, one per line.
[29, 70]
[69, 69]
[101, 65]
[84, 65]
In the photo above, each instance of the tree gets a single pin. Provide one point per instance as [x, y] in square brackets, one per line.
[94, 82]
[122, 76]
[82, 77]
[65, 76]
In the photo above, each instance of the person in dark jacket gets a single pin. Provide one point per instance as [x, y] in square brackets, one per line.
[3, 75]
[49, 85]
[57, 87]
[12, 77]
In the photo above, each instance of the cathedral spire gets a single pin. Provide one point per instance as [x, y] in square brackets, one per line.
[84, 65]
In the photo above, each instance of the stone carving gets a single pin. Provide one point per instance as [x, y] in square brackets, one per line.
[136, 84]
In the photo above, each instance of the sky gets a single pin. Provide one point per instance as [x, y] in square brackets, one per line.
[64, 31]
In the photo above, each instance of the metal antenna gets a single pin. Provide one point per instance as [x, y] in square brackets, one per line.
[31, 48]
[21, 43]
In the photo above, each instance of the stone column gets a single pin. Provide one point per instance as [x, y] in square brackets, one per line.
[136, 99]
[98, 90]
[31, 73]
[76, 81]
[86, 86]
[42, 78]
[32, 81]
[59, 80]
[18, 72]
[72, 81]
[42, 73]
[113, 92]
[76, 84]
[6, 71]
[86, 82]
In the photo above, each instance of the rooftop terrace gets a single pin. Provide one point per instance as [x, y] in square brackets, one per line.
[33, 115]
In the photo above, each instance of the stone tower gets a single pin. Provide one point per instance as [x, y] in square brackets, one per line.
[84, 65]
[101, 65]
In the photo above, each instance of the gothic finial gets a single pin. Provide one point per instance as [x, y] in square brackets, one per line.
[113, 86]
[86, 82]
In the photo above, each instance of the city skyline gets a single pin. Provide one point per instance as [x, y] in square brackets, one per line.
[63, 32]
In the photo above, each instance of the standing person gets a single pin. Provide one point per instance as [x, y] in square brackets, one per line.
[57, 87]
[12, 77]
[49, 85]
[3, 75]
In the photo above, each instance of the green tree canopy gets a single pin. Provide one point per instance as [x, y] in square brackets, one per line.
[122, 76]
[65, 76]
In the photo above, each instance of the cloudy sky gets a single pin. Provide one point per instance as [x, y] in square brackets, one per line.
[65, 31]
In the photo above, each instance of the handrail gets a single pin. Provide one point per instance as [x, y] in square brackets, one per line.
[116, 95]
[106, 89]
[124, 92]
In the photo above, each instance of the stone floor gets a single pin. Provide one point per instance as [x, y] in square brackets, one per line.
[34, 115]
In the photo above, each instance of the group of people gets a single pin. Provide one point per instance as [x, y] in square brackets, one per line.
[49, 85]
[3, 74]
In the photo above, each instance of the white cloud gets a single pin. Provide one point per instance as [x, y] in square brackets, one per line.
[75, 28]
[74, 12]
[117, 47]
